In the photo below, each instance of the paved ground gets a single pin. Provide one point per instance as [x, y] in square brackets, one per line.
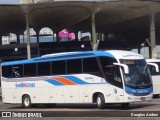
[85, 111]
[154, 105]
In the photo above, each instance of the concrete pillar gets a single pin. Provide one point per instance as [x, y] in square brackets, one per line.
[37, 36]
[94, 37]
[26, 13]
[53, 34]
[28, 37]
[0, 39]
[139, 50]
[153, 35]
[76, 36]
[18, 39]
[150, 52]
[57, 36]
[38, 49]
[23, 38]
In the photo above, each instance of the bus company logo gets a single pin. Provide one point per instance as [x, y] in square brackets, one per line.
[129, 55]
[134, 91]
[21, 85]
[142, 91]
[89, 78]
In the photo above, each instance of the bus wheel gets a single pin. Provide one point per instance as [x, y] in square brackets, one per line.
[125, 105]
[100, 101]
[26, 101]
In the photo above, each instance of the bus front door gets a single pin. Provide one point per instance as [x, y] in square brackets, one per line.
[115, 79]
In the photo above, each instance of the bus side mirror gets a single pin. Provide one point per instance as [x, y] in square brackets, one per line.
[155, 65]
[126, 69]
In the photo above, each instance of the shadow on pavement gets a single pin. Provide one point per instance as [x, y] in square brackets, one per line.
[82, 106]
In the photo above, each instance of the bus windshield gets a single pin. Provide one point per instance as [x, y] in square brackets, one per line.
[139, 74]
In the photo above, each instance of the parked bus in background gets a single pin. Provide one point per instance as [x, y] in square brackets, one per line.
[155, 76]
[100, 77]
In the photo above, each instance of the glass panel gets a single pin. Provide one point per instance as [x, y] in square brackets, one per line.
[18, 71]
[44, 68]
[74, 66]
[112, 72]
[90, 65]
[30, 70]
[59, 67]
[7, 71]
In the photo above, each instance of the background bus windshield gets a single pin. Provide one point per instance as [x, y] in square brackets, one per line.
[153, 69]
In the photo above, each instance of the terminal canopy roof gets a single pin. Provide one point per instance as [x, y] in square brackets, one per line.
[112, 15]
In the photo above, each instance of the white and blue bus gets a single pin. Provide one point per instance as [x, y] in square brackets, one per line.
[155, 75]
[100, 77]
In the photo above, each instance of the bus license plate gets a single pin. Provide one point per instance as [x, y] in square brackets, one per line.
[143, 98]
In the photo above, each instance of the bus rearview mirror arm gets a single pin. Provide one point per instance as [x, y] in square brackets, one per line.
[126, 69]
[155, 65]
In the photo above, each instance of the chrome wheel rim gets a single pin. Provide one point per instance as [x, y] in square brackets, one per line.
[98, 101]
[26, 101]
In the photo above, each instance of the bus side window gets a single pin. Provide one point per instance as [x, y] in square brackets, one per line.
[112, 72]
[7, 71]
[30, 70]
[90, 65]
[43, 68]
[74, 66]
[117, 75]
[59, 67]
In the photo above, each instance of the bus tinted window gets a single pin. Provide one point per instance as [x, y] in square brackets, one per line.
[90, 65]
[44, 68]
[7, 71]
[74, 66]
[111, 71]
[58, 67]
[17, 71]
[30, 70]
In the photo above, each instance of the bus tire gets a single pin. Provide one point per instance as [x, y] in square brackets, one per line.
[26, 101]
[125, 105]
[100, 101]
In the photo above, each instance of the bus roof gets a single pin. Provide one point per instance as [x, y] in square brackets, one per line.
[60, 56]
[117, 54]
[123, 54]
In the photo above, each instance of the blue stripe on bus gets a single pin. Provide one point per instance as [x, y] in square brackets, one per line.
[54, 82]
[103, 53]
[75, 80]
[139, 91]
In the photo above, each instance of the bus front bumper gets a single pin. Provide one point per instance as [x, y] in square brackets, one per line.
[130, 98]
